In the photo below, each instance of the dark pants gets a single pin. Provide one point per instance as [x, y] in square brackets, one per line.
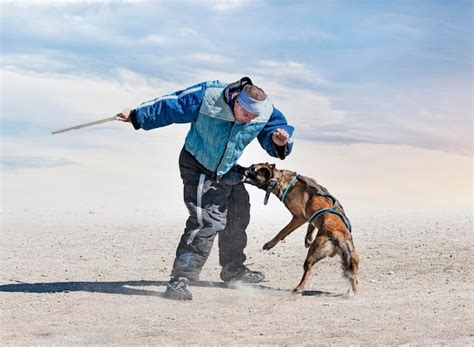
[214, 207]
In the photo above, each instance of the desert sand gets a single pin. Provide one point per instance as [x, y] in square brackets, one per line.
[97, 278]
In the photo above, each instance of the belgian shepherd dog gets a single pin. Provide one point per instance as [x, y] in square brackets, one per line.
[311, 203]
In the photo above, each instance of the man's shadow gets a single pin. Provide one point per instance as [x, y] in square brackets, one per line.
[128, 287]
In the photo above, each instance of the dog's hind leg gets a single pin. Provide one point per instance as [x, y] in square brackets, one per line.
[350, 262]
[294, 224]
[351, 266]
[321, 248]
[309, 235]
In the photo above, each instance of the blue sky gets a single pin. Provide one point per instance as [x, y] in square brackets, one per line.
[345, 73]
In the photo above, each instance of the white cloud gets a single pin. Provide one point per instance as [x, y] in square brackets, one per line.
[291, 70]
[438, 116]
[210, 58]
[227, 5]
[286, 83]
[35, 62]
[154, 39]
[305, 109]
[187, 32]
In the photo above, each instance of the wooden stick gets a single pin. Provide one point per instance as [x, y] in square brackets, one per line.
[85, 125]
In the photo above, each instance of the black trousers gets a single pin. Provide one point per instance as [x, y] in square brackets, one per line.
[215, 207]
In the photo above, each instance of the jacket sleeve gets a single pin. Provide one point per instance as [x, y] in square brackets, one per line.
[277, 120]
[179, 107]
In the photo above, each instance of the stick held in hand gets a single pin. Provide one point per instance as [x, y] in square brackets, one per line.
[85, 125]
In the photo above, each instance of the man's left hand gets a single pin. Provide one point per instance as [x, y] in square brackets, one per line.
[280, 137]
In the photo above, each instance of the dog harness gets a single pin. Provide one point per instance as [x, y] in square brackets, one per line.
[321, 192]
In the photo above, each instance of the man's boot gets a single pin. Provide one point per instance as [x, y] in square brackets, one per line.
[177, 289]
[243, 274]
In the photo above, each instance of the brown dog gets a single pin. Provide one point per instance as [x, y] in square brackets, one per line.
[309, 202]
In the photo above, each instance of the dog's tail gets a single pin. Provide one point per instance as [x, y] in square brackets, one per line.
[350, 262]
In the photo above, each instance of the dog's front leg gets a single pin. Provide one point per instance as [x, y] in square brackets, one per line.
[294, 224]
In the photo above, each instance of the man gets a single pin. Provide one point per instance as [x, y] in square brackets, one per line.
[224, 119]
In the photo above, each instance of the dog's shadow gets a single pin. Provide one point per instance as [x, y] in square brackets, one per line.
[130, 287]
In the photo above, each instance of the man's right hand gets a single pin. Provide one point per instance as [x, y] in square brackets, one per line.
[124, 116]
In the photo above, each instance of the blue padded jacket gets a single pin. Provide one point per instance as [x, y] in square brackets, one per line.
[215, 139]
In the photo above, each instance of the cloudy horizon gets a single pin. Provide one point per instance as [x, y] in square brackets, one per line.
[349, 76]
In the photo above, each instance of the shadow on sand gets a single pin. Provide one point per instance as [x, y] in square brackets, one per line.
[127, 287]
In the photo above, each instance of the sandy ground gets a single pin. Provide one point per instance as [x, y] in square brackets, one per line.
[84, 278]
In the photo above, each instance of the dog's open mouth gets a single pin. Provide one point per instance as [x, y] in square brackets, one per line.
[246, 173]
[250, 176]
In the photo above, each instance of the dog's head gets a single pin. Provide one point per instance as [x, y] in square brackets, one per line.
[259, 175]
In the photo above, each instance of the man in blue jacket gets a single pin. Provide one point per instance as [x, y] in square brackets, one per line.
[224, 119]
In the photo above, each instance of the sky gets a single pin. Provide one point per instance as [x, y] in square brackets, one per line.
[380, 94]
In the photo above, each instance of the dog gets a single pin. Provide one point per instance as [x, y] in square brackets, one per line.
[309, 202]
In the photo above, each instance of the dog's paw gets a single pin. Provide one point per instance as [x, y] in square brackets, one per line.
[307, 242]
[268, 245]
[298, 290]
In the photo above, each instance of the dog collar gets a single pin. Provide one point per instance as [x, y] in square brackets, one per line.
[288, 187]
